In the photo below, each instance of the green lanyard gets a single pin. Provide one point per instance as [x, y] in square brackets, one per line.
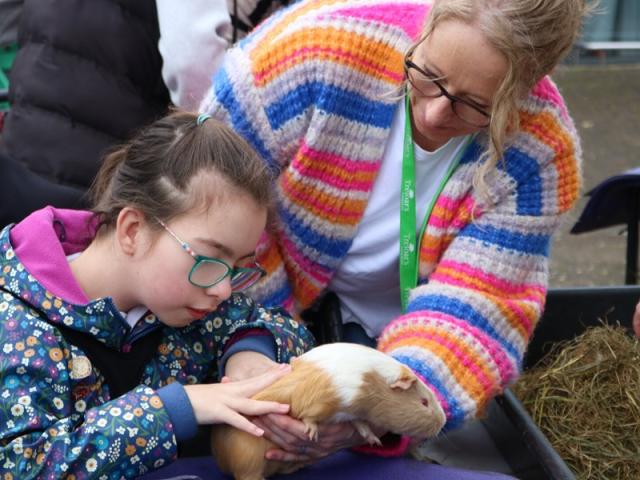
[408, 238]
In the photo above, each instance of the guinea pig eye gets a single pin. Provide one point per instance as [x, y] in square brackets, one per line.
[425, 402]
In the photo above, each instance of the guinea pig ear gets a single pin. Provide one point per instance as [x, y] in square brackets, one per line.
[405, 380]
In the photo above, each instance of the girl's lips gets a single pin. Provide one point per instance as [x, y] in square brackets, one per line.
[195, 313]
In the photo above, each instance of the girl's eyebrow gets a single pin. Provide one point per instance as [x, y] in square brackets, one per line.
[225, 250]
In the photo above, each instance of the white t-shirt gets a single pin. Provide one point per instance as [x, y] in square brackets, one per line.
[367, 281]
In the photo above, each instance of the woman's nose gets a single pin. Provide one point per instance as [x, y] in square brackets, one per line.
[221, 290]
[438, 110]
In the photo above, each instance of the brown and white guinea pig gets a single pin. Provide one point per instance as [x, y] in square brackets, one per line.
[336, 382]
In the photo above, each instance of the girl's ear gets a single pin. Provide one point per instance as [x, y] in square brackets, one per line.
[129, 226]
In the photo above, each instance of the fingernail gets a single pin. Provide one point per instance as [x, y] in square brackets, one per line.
[284, 408]
[284, 366]
[259, 431]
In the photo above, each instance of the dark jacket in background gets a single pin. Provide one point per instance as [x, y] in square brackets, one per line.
[86, 76]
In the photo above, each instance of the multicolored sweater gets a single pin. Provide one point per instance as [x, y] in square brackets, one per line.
[310, 90]
[58, 416]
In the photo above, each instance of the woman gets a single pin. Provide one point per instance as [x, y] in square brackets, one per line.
[481, 163]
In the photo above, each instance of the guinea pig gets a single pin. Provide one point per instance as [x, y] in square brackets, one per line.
[336, 382]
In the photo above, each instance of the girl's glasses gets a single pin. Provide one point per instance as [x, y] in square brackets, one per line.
[425, 84]
[208, 271]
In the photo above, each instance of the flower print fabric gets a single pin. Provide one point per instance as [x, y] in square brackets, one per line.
[57, 417]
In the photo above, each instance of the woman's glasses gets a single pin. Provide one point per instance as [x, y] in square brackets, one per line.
[208, 271]
[425, 84]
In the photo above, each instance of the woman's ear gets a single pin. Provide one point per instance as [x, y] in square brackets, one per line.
[129, 235]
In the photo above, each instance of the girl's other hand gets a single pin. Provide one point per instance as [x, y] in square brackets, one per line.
[247, 364]
[295, 445]
[228, 402]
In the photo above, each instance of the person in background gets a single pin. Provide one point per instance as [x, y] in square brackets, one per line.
[85, 79]
[424, 160]
[115, 321]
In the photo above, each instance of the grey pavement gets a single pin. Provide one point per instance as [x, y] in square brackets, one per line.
[604, 101]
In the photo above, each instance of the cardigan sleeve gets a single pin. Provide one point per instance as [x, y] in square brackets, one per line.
[468, 324]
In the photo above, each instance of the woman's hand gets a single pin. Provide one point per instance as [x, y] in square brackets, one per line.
[295, 445]
[228, 402]
[247, 364]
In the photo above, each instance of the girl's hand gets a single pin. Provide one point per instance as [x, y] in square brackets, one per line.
[247, 364]
[228, 402]
[636, 320]
[295, 446]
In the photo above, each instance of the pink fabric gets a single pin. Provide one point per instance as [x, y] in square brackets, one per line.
[395, 448]
[42, 242]
[396, 15]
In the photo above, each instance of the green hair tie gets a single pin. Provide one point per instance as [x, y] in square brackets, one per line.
[203, 117]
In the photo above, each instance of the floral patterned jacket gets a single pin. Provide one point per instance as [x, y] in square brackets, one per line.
[57, 417]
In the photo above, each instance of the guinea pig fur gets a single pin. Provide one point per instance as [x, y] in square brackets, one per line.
[335, 382]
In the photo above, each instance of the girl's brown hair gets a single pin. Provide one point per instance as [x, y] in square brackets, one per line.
[155, 171]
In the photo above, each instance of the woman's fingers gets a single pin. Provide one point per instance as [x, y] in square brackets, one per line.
[281, 437]
[287, 424]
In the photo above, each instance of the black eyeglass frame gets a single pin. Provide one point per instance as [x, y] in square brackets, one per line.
[408, 64]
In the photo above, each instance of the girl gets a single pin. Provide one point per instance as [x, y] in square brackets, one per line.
[112, 320]
[428, 214]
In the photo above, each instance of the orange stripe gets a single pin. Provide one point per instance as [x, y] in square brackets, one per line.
[343, 47]
[331, 208]
[469, 382]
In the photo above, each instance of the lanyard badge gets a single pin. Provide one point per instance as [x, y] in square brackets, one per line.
[408, 262]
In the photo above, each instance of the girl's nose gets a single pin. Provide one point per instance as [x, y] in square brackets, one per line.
[221, 290]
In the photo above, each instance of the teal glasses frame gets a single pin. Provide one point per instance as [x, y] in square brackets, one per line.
[241, 277]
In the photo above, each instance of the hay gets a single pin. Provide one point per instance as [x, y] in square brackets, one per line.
[585, 396]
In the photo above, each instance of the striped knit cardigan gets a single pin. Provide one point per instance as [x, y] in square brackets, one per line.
[309, 89]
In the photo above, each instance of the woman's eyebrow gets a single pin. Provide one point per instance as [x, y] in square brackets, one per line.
[472, 97]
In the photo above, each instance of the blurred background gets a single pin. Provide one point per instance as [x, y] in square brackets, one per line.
[601, 84]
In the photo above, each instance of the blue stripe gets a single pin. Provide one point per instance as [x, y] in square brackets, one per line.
[312, 238]
[456, 414]
[331, 100]
[225, 95]
[278, 297]
[472, 153]
[458, 309]
[533, 244]
[526, 172]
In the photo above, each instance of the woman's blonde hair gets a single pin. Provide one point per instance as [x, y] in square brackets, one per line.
[533, 35]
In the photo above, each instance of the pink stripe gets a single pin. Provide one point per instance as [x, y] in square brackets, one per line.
[339, 162]
[310, 268]
[320, 169]
[546, 90]
[499, 283]
[525, 321]
[441, 320]
[396, 14]
[309, 199]
[471, 361]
